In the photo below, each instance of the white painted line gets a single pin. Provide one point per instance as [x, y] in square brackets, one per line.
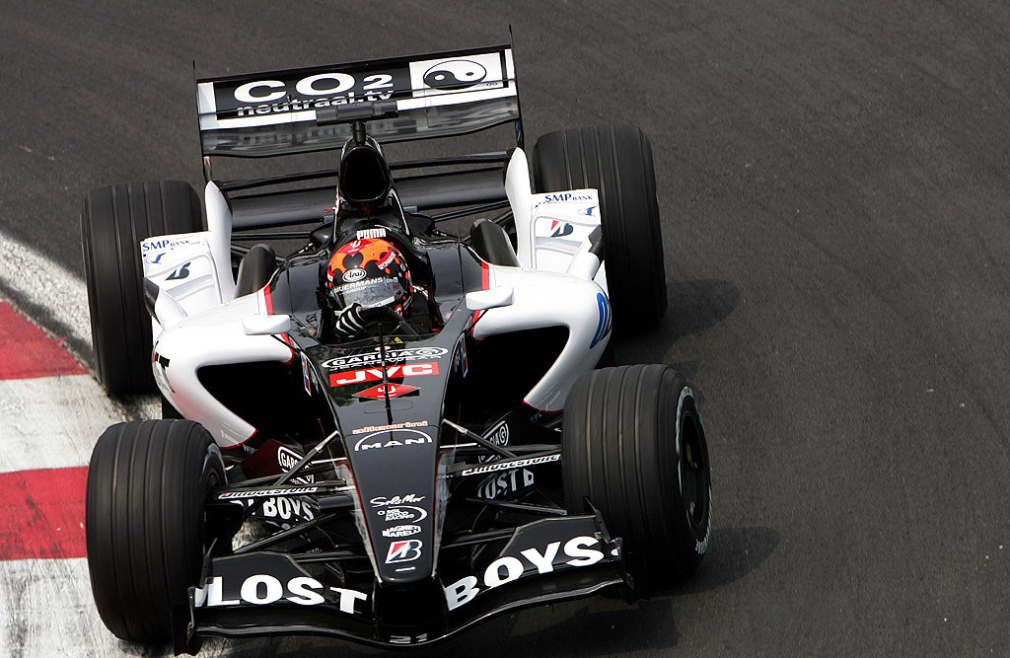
[48, 610]
[52, 422]
[29, 274]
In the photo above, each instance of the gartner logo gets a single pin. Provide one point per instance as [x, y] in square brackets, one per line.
[454, 74]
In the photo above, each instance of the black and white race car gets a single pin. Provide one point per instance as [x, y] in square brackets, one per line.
[392, 432]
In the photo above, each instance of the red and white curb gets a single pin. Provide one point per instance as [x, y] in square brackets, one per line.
[51, 413]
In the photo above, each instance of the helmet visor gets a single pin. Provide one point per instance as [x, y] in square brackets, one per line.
[369, 293]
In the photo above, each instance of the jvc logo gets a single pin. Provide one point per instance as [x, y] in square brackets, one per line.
[375, 374]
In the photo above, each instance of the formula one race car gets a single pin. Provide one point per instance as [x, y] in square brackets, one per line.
[392, 432]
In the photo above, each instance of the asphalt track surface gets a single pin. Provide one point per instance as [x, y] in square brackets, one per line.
[834, 182]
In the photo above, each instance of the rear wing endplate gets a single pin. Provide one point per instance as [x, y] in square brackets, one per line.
[436, 95]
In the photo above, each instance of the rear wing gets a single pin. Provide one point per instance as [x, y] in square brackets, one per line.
[436, 95]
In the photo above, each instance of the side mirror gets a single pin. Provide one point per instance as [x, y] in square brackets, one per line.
[482, 300]
[266, 325]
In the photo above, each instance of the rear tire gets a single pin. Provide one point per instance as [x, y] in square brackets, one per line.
[633, 444]
[115, 220]
[617, 161]
[147, 485]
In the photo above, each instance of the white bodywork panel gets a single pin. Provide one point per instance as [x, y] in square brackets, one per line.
[215, 337]
[198, 323]
[520, 195]
[192, 270]
[219, 228]
[550, 299]
[551, 228]
[186, 273]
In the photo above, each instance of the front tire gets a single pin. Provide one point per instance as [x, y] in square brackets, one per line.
[115, 220]
[633, 444]
[147, 485]
[617, 161]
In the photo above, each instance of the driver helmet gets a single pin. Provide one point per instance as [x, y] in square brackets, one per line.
[370, 272]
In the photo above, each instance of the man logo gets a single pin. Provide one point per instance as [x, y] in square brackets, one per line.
[391, 439]
[454, 74]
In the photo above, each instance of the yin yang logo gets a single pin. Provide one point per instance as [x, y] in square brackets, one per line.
[454, 74]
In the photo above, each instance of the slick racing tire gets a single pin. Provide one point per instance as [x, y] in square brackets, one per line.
[114, 222]
[633, 445]
[147, 484]
[617, 161]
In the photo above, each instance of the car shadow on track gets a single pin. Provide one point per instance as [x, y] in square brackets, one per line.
[734, 553]
[692, 307]
[591, 627]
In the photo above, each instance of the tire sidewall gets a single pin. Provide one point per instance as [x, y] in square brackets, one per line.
[623, 440]
[692, 538]
[147, 490]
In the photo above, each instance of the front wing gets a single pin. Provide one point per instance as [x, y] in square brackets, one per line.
[270, 593]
